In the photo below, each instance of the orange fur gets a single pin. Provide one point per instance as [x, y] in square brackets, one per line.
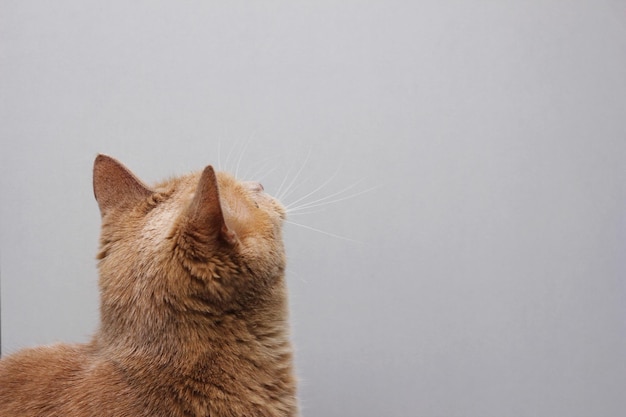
[193, 309]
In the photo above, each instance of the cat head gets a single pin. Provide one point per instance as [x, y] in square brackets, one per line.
[203, 242]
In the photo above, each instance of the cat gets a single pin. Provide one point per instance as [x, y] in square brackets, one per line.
[193, 308]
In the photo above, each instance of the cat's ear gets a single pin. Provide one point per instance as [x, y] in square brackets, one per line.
[205, 211]
[115, 186]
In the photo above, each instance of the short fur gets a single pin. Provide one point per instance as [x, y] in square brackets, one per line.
[193, 309]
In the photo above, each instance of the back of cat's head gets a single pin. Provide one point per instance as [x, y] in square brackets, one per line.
[200, 242]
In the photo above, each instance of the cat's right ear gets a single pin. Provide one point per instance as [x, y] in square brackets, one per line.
[205, 211]
[115, 186]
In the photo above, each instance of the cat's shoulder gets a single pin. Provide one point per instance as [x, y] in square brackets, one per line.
[57, 357]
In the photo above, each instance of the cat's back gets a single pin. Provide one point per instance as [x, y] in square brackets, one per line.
[31, 380]
[56, 380]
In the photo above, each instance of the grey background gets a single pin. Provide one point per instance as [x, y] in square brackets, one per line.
[484, 276]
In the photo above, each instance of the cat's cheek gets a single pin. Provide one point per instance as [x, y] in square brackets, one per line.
[266, 258]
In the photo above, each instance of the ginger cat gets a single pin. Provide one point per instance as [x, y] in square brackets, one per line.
[193, 309]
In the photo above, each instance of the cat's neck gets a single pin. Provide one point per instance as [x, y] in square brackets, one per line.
[179, 340]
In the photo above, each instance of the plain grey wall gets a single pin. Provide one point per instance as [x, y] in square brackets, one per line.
[488, 276]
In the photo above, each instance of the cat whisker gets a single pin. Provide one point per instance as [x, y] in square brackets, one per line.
[302, 213]
[301, 278]
[293, 203]
[323, 232]
[295, 178]
[343, 190]
[291, 191]
[282, 184]
[329, 198]
[243, 151]
[261, 167]
[227, 161]
[259, 178]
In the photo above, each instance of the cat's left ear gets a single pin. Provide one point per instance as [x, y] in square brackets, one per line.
[115, 186]
[205, 211]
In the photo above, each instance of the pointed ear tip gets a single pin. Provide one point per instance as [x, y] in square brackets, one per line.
[209, 172]
[102, 158]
